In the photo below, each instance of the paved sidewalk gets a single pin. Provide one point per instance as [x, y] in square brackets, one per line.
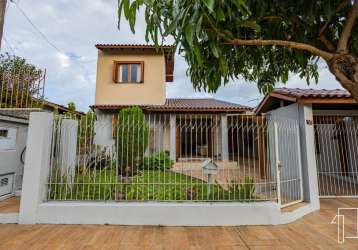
[314, 231]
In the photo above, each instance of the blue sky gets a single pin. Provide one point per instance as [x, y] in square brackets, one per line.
[74, 27]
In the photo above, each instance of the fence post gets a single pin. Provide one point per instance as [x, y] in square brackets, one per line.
[309, 167]
[224, 138]
[172, 137]
[37, 163]
[277, 163]
[68, 149]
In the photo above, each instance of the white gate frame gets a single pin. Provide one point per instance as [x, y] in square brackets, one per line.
[278, 165]
[278, 168]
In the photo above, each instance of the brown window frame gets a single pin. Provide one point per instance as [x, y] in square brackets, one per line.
[116, 65]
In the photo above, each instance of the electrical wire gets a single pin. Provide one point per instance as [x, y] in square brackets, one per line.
[35, 27]
[48, 41]
[9, 44]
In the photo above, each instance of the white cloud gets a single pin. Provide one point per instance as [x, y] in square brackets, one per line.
[64, 60]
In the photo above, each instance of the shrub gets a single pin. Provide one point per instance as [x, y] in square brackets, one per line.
[244, 191]
[86, 133]
[131, 140]
[158, 161]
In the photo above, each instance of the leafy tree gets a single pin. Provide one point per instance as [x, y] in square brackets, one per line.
[86, 132]
[131, 140]
[19, 82]
[259, 40]
[72, 110]
[71, 106]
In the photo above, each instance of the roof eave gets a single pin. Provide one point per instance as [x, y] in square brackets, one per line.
[168, 110]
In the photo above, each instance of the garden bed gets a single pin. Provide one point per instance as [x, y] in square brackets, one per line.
[147, 185]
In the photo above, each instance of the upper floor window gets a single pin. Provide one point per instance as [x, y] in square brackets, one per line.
[128, 72]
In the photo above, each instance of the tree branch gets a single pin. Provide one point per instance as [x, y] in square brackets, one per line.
[339, 8]
[347, 30]
[289, 44]
[326, 43]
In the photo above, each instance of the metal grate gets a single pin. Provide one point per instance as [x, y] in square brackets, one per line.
[336, 143]
[4, 182]
[21, 90]
[164, 157]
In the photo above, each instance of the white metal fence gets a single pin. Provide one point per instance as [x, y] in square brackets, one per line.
[22, 89]
[336, 141]
[182, 157]
[287, 158]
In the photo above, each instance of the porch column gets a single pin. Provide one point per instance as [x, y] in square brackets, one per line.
[172, 137]
[308, 156]
[224, 139]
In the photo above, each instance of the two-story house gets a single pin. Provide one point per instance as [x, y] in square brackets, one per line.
[136, 75]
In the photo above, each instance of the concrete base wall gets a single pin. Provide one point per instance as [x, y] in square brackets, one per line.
[166, 214]
[9, 218]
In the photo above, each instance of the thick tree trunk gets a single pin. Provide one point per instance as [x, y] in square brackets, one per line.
[345, 69]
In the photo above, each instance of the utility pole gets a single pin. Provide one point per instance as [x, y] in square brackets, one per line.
[2, 17]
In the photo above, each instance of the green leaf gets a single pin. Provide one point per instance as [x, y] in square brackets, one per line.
[214, 50]
[198, 27]
[220, 15]
[250, 24]
[209, 4]
[197, 53]
[171, 28]
[284, 76]
[189, 34]
[126, 8]
[119, 12]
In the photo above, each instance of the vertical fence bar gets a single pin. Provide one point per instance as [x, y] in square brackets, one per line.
[336, 149]
[126, 171]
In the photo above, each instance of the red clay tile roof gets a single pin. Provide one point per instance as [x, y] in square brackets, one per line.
[132, 46]
[323, 96]
[187, 105]
[313, 93]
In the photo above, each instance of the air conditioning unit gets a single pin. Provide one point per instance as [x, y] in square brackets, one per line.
[6, 184]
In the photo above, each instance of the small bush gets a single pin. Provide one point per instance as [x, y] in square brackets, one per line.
[244, 191]
[131, 140]
[158, 161]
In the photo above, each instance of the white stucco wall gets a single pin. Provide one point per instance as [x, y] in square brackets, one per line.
[10, 152]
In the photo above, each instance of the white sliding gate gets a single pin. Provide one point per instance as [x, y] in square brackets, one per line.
[336, 143]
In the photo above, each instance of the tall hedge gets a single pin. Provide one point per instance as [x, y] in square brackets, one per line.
[131, 139]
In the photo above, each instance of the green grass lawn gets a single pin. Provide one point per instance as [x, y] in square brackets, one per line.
[149, 185]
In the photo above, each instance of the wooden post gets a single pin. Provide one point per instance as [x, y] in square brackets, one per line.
[342, 146]
[262, 150]
[2, 18]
